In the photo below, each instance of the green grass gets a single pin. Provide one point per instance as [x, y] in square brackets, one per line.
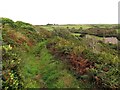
[45, 71]
[29, 70]
[54, 71]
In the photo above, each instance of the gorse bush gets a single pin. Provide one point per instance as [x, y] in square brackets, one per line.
[11, 77]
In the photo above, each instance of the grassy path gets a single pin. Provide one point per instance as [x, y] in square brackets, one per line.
[40, 69]
[30, 70]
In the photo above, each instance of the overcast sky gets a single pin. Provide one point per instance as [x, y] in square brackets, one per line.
[61, 11]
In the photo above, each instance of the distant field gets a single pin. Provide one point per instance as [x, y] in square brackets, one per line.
[95, 37]
[67, 26]
[74, 26]
[76, 34]
[77, 26]
[51, 27]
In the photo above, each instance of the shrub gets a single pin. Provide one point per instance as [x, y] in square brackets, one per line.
[44, 34]
[64, 33]
[7, 21]
[11, 77]
[106, 68]
[23, 25]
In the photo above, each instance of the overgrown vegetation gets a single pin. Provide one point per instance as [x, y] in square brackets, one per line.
[64, 57]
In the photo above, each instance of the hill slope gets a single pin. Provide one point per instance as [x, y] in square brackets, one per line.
[34, 57]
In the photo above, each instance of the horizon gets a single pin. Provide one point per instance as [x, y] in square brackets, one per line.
[60, 24]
